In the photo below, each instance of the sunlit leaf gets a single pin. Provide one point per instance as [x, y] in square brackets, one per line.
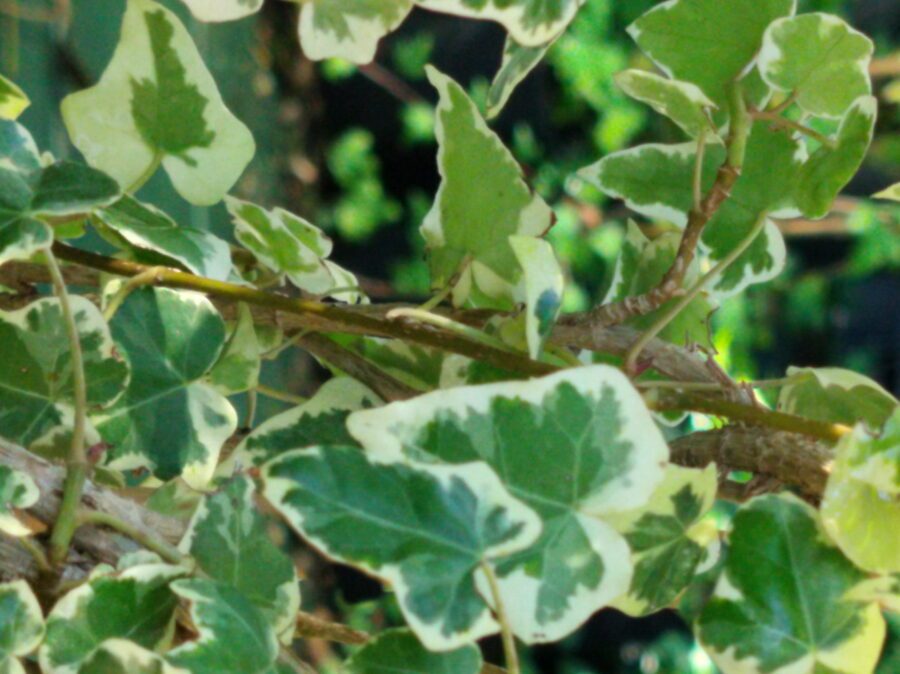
[223, 10]
[573, 446]
[892, 193]
[397, 651]
[682, 102]
[120, 656]
[228, 539]
[820, 60]
[21, 625]
[169, 419]
[426, 531]
[544, 286]
[13, 100]
[157, 102]
[348, 29]
[17, 492]
[780, 604]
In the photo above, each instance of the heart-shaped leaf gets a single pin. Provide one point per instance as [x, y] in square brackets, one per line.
[21, 625]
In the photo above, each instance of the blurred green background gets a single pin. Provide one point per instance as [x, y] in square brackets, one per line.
[353, 150]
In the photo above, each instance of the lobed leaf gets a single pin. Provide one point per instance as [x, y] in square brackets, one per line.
[399, 650]
[17, 492]
[157, 102]
[21, 625]
[544, 286]
[427, 531]
[575, 447]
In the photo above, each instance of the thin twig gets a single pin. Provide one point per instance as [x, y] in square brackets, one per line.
[506, 634]
[96, 518]
[145, 278]
[283, 396]
[785, 123]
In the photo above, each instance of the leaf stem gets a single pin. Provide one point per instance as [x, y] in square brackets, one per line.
[76, 460]
[509, 641]
[100, 519]
[142, 179]
[283, 396]
[710, 386]
[439, 321]
[786, 123]
[668, 316]
[698, 170]
[147, 277]
[37, 553]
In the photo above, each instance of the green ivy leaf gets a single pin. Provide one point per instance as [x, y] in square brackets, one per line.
[131, 224]
[29, 190]
[529, 22]
[17, 492]
[482, 201]
[398, 650]
[544, 286]
[707, 42]
[426, 531]
[228, 539]
[169, 419]
[120, 656]
[415, 365]
[666, 538]
[216, 11]
[21, 625]
[157, 102]
[13, 100]
[682, 102]
[861, 504]
[829, 169]
[781, 602]
[820, 60]
[36, 389]
[573, 446]
[518, 62]
[237, 369]
[319, 421]
[348, 29]
[289, 245]
[234, 635]
[834, 395]
[133, 603]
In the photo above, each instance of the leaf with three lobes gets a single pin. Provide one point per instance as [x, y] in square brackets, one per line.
[574, 447]
[133, 225]
[21, 625]
[398, 650]
[17, 492]
[228, 539]
[234, 635]
[685, 38]
[782, 602]
[13, 100]
[36, 389]
[169, 419]
[820, 60]
[426, 531]
[348, 29]
[133, 603]
[29, 191]
[319, 421]
[157, 102]
[666, 538]
[482, 201]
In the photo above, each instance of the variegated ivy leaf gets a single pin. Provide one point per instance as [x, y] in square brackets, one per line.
[861, 504]
[157, 103]
[21, 625]
[131, 224]
[319, 421]
[707, 42]
[426, 531]
[574, 446]
[640, 267]
[227, 537]
[518, 62]
[482, 201]
[544, 286]
[835, 395]
[348, 29]
[289, 245]
[820, 60]
[529, 22]
[667, 539]
[398, 650]
[892, 193]
[17, 492]
[234, 635]
[829, 169]
[214, 11]
[36, 388]
[133, 602]
[120, 656]
[30, 190]
[13, 100]
[682, 102]
[781, 603]
[169, 419]
[415, 365]
[237, 369]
